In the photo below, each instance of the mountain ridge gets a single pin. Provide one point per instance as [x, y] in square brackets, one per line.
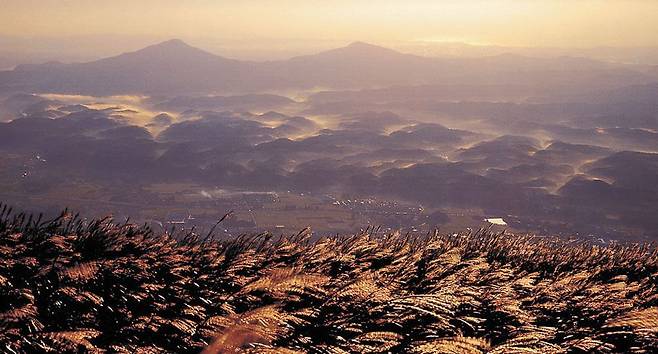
[174, 66]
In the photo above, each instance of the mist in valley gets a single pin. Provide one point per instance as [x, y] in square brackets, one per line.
[563, 145]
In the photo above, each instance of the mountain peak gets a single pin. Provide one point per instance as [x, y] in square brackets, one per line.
[359, 44]
[173, 48]
[361, 49]
[171, 44]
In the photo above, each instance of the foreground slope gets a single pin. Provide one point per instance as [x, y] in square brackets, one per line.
[68, 286]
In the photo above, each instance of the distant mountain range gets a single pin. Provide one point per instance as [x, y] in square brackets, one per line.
[173, 67]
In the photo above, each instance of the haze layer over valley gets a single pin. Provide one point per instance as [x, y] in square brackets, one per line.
[355, 136]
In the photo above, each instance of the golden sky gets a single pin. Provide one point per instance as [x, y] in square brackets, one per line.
[565, 23]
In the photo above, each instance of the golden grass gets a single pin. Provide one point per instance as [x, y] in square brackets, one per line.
[68, 286]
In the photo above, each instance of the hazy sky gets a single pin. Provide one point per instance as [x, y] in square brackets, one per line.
[568, 23]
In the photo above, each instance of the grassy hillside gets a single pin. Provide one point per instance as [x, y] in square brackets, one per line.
[70, 286]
